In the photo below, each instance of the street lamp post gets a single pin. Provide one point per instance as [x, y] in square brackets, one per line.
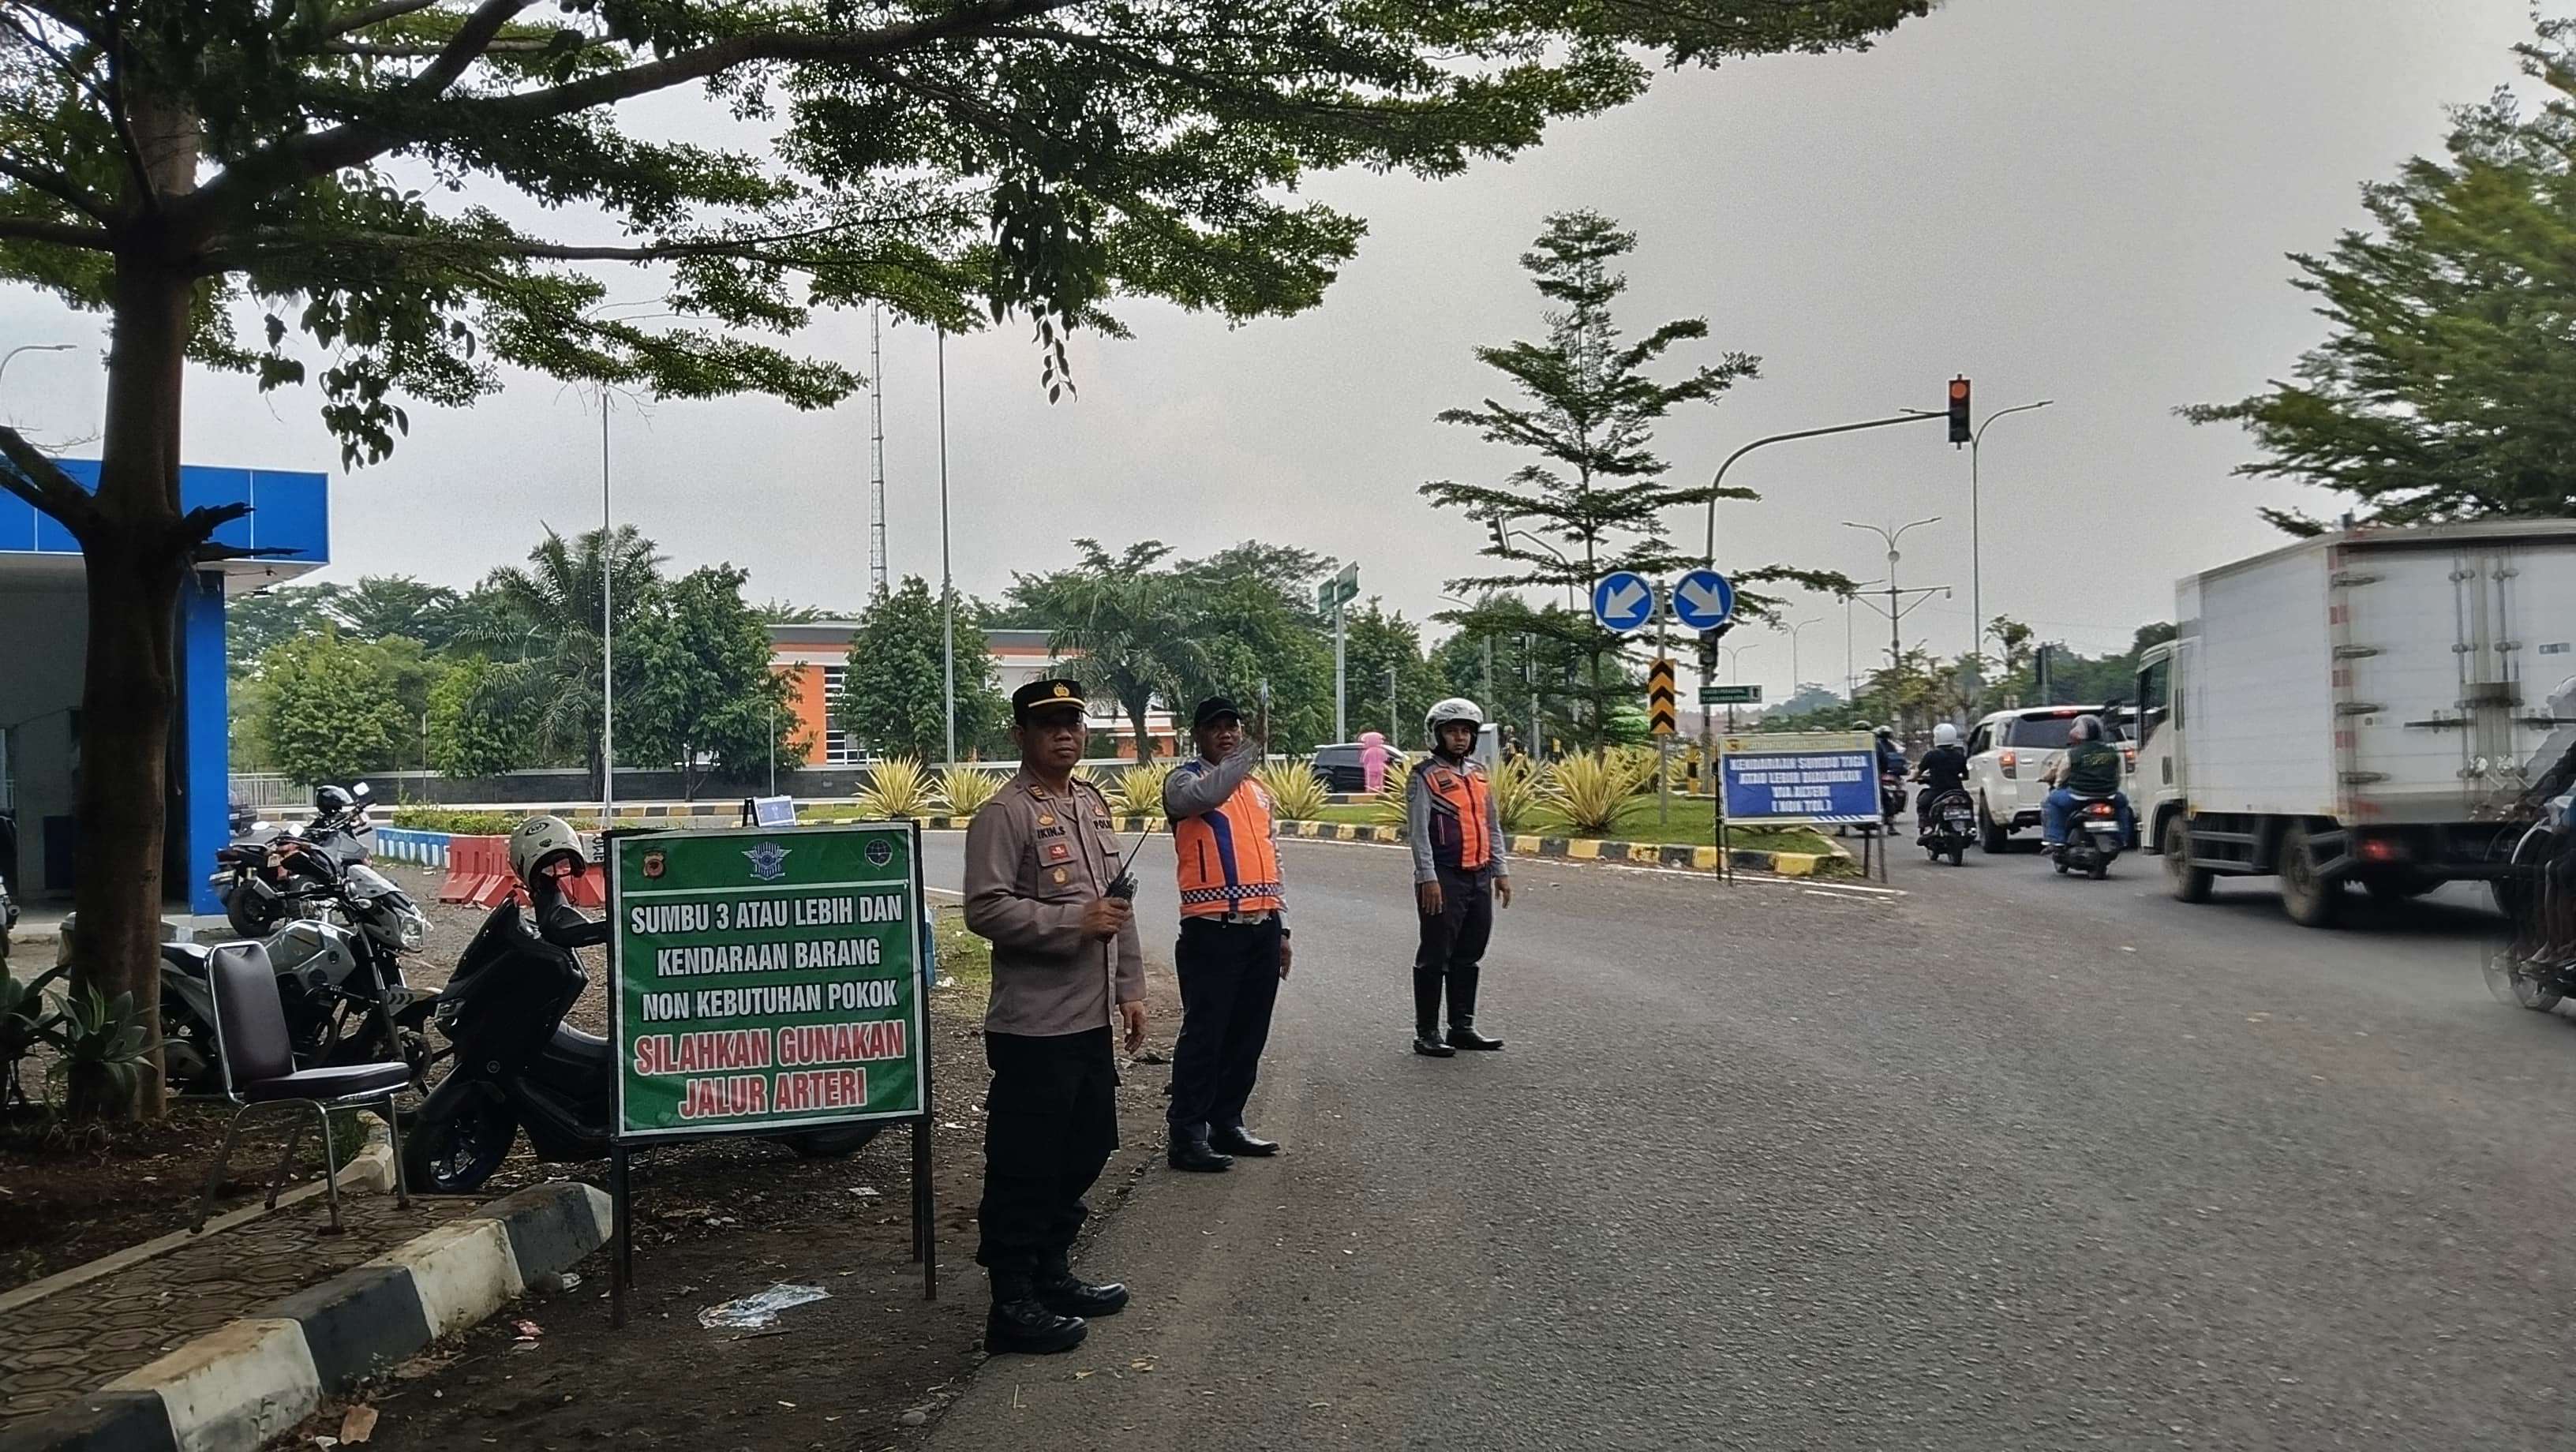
[1794, 684]
[1896, 609]
[947, 582]
[1976, 539]
[32, 348]
[1503, 536]
[1492, 702]
[1734, 673]
[607, 633]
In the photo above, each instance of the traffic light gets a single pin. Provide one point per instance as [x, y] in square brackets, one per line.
[1960, 432]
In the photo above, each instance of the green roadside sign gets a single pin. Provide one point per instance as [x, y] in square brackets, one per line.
[1730, 695]
[766, 978]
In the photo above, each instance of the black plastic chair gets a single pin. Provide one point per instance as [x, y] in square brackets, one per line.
[256, 1053]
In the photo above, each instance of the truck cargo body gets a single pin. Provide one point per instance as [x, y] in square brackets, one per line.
[2365, 706]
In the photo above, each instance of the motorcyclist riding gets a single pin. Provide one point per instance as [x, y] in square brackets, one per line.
[545, 851]
[2090, 768]
[1943, 769]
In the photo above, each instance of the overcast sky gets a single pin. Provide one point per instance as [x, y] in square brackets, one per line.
[2084, 200]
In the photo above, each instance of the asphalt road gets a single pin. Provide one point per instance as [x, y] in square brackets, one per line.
[2003, 1161]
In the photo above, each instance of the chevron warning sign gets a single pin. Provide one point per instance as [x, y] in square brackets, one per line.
[1661, 713]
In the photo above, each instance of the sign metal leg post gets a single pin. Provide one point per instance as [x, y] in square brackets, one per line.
[925, 1233]
[621, 1253]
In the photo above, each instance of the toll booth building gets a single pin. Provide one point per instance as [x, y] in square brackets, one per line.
[43, 630]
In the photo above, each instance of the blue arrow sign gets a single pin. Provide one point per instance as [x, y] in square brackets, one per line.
[1623, 601]
[1702, 600]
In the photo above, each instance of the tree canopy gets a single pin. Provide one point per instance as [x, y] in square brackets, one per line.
[894, 690]
[2441, 391]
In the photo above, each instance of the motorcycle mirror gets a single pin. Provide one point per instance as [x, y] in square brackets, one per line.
[360, 790]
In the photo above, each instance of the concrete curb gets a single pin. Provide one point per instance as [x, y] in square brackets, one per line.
[243, 1383]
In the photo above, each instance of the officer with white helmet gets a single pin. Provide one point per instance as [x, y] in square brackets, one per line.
[1458, 876]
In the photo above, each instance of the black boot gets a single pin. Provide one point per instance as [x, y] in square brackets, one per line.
[1066, 1294]
[1234, 1139]
[1020, 1322]
[1191, 1151]
[1462, 1012]
[1426, 1014]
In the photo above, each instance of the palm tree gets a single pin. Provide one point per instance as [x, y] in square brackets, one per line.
[549, 626]
[384, 605]
[1126, 628]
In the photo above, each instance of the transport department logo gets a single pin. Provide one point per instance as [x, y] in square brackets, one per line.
[653, 863]
[768, 861]
[879, 852]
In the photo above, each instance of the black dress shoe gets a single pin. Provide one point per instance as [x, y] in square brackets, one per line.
[1236, 1140]
[1463, 1035]
[1067, 1295]
[1025, 1325]
[1427, 1043]
[1193, 1152]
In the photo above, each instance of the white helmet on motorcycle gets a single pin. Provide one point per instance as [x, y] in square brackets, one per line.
[2086, 728]
[1456, 708]
[540, 840]
[1945, 734]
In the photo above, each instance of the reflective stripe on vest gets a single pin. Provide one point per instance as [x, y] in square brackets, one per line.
[1462, 823]
[1228, 863]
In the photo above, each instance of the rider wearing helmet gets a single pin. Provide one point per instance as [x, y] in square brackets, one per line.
[545, 852]
[1943, 769]
[1456, 832]
[2089, 769]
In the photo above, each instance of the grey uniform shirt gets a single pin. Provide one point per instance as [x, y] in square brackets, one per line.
[1417, 820]
[1034, 859]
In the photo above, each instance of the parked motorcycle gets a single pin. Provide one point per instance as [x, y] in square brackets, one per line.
[1949, 825]
[2094, 838]
[340, 982]
[1891, 803]
[2535, 966]
[276, 875]
[519, 1066]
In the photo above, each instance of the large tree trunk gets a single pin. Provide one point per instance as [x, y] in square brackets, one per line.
[137, 552]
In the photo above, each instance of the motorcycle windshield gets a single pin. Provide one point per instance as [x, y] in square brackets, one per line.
[366, 883]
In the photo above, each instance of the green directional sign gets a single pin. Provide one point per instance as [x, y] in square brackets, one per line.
[765, 978]
[1730, 695]
[1338, 591]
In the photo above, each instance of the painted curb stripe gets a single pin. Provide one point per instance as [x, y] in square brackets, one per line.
[462, 1270]
[234, 1387]
[103, 1421]
[357, 1324]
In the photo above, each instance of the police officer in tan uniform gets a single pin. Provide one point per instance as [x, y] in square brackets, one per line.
[1040, 861]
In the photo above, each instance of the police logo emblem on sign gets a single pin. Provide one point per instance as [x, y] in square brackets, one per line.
[653, 862]
[879, 852]
[768, 861]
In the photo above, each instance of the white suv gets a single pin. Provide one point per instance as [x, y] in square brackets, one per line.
[2008, 751]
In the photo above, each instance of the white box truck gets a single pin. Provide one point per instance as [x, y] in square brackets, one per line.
[2362, 706]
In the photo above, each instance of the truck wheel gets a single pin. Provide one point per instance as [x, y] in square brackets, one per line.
[1991, 839]
[2312, 899]
[2189, 883]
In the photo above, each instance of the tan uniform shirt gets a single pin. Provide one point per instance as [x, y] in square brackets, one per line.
[1033, 859]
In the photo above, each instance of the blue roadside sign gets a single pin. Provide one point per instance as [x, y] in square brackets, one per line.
[1703, 600]
[1799, 776]
[1622, 601]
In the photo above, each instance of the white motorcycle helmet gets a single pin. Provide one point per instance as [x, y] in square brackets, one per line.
[1945, 734]
[540, 840]
[1456, 708]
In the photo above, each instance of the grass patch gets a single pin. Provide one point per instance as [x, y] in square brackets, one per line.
[964, 957]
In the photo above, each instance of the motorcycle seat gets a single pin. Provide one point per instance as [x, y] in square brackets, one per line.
[568, 1037]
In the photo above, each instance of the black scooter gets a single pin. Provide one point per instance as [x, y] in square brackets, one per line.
[1949, 824]
[520, 1066]
[2094, 838]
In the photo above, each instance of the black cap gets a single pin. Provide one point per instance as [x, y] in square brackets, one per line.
[1213, 710]
[1037, 695]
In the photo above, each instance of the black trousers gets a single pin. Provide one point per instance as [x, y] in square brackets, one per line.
[1229, 976]
[1050, 1124]
[1453, 950]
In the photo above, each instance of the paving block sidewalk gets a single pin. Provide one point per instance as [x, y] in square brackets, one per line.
[81, 1337]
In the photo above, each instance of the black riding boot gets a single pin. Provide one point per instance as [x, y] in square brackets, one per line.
[1426, 1015]
[1462, 1012]
[1192, 1151]
[1021, 1322]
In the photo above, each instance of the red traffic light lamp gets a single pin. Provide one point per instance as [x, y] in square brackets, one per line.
[1961, 431]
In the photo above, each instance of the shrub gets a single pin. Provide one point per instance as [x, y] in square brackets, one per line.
[1296, 793]
[26, 1019]
[1140, 790]
[463, 824]
[967, 788]
[100, 1045]
[1391, 795]
[1520, 789]
[898, 790]
[1590, 791]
